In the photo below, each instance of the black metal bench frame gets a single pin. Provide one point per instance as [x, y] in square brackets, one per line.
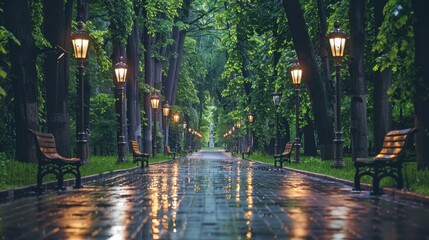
[285, 156]
[50, 162]
[138, 156]
[388, 163]
[247, 152]
[169, 153]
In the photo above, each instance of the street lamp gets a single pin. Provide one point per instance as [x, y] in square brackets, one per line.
[238, 126]
[176, 119]
[250, 120]
[337, 41]
[276, 100]
[80, 42]
[296, 74]
[165, 113]
[154, 102]
[120, 69]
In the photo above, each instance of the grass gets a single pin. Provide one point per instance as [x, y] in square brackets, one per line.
[414, 180]
[17, 174]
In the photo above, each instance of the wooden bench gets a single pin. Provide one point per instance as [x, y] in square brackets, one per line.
[138, 156]
[50, 162]
[168, 152]
[388, 163]
[247, 152]
[285, 156]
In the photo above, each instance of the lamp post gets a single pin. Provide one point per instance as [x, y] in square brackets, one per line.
[165, 113]
[238, 126]
[80, 42]
[190, 139]
[296, 73]
[176, 119]
[276, 100]
[337, 41]
[120, 69]
[154, 102]
[250, 120]
[184, 125]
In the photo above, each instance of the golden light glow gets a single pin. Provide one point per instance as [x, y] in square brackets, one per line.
[80, 42]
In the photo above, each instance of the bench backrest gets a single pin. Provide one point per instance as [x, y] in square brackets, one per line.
[288, 149]
[45, 145]
[394, 143]
[167, 149]
[135, 148]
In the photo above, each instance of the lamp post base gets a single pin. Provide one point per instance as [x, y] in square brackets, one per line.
[81, 149]
[121, 150]
[338, 151]
[297, 146]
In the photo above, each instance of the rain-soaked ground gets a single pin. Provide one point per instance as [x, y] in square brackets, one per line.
[211, 196]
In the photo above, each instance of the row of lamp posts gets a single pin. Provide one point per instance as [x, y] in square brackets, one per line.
[337, 40]
[80, 42]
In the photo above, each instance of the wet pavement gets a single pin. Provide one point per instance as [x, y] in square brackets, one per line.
[212, 196]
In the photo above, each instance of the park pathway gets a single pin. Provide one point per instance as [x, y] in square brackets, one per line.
[210, 195]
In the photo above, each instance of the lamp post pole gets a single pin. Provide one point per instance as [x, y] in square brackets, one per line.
[165, 114]
[276, 99]
[296, 74]
[337, 40]
[154, 101]
[80, 42]
[176, 119]
[120, 69]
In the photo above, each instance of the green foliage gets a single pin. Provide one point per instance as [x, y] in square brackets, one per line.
[36, 7]
[3, 173]
[19, 174]
[395, 45]
[103, 122]
[121, 14]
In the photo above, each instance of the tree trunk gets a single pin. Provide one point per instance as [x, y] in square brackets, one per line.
[18, 21]
[312, 79]
[383, 81]
[323, 53]
[421, 83]
[57, 30]
[133, 91]
[149, 79]
[310, 148]
[357, 80]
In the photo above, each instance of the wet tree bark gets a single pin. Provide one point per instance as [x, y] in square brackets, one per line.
[133, 91]
[421, 83]
[313, 81]
[57, 30]
[17, 17]
[357, 80]
[149, 73]
[383, 81]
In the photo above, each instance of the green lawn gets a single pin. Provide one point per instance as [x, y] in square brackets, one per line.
[17, 174]
[416, 181]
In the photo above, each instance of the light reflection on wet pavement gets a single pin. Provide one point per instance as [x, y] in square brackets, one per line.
[211, 196]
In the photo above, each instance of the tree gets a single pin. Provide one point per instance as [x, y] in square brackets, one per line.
[57, 30]
[383, 81]
[313, 81]
[357, 80]
[421, 83]
[23, 74]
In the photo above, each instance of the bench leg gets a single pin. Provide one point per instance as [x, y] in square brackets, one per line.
[399, 179]
[78, 182]
[147, 161]
[357, 180]
[39, 180]
[376, 182]
[60, 181]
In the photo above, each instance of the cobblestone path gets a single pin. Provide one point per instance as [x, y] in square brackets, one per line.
[211, 196]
